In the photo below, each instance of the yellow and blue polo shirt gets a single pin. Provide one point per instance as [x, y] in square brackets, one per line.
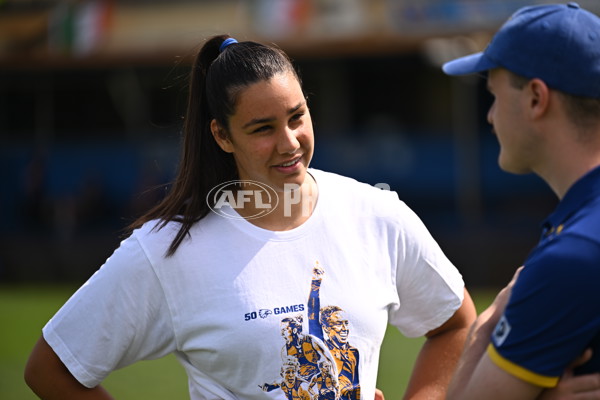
[553, 314]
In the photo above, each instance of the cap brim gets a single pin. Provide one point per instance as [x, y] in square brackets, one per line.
[470, 64]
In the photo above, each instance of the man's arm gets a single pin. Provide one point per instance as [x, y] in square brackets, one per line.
[490, 382]
[48, 377]
[575, 387]
[439, 355]
[476, 375]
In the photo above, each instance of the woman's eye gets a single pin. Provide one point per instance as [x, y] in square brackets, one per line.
[263, 128]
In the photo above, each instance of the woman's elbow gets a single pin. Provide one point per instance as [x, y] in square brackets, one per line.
[43, 368]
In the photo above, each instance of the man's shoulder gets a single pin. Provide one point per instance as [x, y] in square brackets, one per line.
[586, 221]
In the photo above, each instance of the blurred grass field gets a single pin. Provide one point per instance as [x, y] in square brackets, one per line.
[25, 309]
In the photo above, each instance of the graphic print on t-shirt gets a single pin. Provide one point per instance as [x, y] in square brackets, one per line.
[316, 367]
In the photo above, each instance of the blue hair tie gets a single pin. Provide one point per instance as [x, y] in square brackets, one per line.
[226, 43]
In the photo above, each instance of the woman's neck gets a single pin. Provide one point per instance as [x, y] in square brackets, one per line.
[293, 208]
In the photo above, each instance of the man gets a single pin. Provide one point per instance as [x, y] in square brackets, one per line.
[543, 68]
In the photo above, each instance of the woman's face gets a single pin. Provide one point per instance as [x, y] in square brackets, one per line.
[270, 134]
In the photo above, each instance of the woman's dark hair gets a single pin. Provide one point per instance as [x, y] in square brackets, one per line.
[216, 79]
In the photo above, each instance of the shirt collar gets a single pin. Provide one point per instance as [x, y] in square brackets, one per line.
[583, 190]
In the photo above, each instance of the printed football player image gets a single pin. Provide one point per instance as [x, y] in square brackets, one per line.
[336, 326]
[332, 321]
[304, 348]
[324, 386]
[293, 387]
[324, 361]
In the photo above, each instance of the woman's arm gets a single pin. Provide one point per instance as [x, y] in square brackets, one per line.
[438, 357]
[48, 377]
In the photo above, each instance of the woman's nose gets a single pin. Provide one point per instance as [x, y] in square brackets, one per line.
[288, 142]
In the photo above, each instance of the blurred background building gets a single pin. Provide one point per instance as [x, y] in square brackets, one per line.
[92, 95]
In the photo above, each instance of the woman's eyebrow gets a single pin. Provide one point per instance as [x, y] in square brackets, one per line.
[256, 121]
[264, 120]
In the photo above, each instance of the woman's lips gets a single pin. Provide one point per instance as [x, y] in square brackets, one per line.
[289, 166]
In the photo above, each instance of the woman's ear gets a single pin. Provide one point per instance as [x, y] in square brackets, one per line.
[221, 136]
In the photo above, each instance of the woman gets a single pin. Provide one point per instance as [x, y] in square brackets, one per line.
[211, 272]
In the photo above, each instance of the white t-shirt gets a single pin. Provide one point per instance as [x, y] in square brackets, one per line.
[224, 301]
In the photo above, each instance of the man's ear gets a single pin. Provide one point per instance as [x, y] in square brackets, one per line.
[539, 97]
[221, 136]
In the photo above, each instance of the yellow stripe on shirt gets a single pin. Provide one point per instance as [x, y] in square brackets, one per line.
[520, 372]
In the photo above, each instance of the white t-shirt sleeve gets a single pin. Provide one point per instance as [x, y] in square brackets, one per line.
[119, 316]
[430, 288]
